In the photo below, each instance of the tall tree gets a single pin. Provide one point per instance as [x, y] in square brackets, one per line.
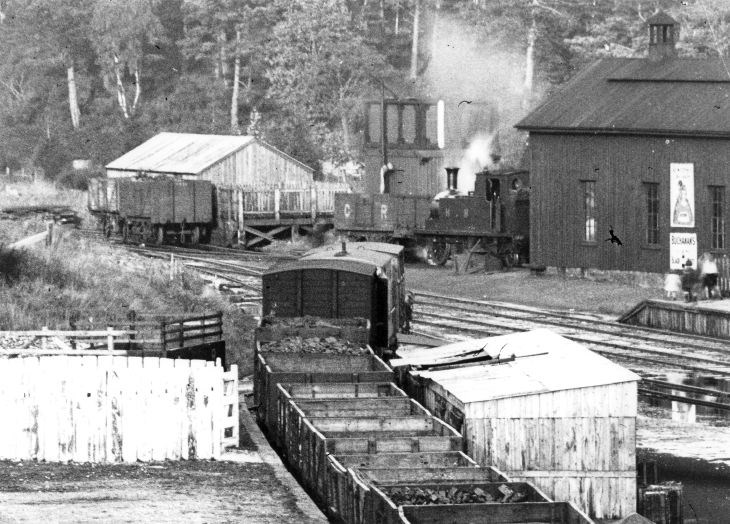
[226, 36]
[320, 65]
[121, 28]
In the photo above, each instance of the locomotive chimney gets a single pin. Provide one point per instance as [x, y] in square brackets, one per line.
[452, 177]
[342, 253]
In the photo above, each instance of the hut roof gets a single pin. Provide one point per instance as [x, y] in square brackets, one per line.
[186, 153]
[545, 362]
[671, 96]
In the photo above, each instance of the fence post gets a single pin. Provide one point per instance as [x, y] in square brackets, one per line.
[43, 338]
[172, 266]
[163, 339]
[241, 232]
[109, 338]
[277, 204]
[313, 202]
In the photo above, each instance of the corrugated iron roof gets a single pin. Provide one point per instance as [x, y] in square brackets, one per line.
[640, 96]
[186, 153]
[546, 362]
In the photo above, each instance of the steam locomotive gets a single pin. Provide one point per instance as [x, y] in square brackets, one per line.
[415, 194]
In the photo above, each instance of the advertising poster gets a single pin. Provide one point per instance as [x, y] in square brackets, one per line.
[682, 247]
[682, 195]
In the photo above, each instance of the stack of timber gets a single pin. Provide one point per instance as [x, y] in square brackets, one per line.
[707, 318]
[540, 408]
[368, 453]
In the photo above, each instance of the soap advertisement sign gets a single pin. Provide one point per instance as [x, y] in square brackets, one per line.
[682, 247]
[682, 195]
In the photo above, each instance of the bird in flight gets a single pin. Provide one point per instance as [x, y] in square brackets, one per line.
[614, 239]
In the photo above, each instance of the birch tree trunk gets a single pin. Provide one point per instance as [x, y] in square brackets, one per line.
[414, 45]
[527, 87]
[345, 131]
[236, 82]
[121, 92]
[397, 17]
[73, 101]
[221, 63]
[137, 88]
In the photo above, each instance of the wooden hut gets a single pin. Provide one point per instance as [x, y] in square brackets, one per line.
[638, 146]
[556, 414]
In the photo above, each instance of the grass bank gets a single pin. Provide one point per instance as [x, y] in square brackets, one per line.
[87, 282]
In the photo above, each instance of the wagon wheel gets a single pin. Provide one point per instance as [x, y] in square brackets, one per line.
[147, 232]
[159, 235]
[108, 227]
[205, 235]
[438, 253]
[182, 232]
[195, 235]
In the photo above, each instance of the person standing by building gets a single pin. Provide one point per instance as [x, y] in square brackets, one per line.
[708, 274]
[689, 279]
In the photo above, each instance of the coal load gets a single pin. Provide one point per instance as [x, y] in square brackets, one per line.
[305, 334]
[410, 496]
[331, 345]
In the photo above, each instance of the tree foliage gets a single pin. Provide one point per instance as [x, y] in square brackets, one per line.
[294, 71]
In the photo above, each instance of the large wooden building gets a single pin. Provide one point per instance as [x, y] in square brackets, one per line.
[639, 146]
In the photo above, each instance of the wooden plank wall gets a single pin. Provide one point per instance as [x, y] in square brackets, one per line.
[684, 318]
[111, 409]
[619, 165]
[577, 445]
[257, 166]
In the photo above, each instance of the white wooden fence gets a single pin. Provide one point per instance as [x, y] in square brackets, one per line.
[115, 409]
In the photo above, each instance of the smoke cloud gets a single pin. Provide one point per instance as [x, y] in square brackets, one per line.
[481, 84]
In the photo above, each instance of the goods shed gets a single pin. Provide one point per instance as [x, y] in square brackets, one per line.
[225, 160]
[549, 411]
[260, 192]
[639, 146]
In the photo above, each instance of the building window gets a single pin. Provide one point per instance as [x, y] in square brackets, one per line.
[652, 212]
[589, 210]
[717, 216]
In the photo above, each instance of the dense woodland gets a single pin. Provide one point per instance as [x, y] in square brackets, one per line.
[93, 78]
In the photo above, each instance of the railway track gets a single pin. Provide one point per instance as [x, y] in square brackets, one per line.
[649, 352]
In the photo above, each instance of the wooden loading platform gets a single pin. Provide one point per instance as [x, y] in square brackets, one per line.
[709, 318]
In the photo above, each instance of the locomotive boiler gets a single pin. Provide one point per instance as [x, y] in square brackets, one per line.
[434, 183]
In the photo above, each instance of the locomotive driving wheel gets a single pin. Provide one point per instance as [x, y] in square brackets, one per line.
[438, 253]
[159, 235]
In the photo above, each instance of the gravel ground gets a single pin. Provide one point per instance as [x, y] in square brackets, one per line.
[187, 492]
[519, 286]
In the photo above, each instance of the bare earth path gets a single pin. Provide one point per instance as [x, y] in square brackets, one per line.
[189, 492]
